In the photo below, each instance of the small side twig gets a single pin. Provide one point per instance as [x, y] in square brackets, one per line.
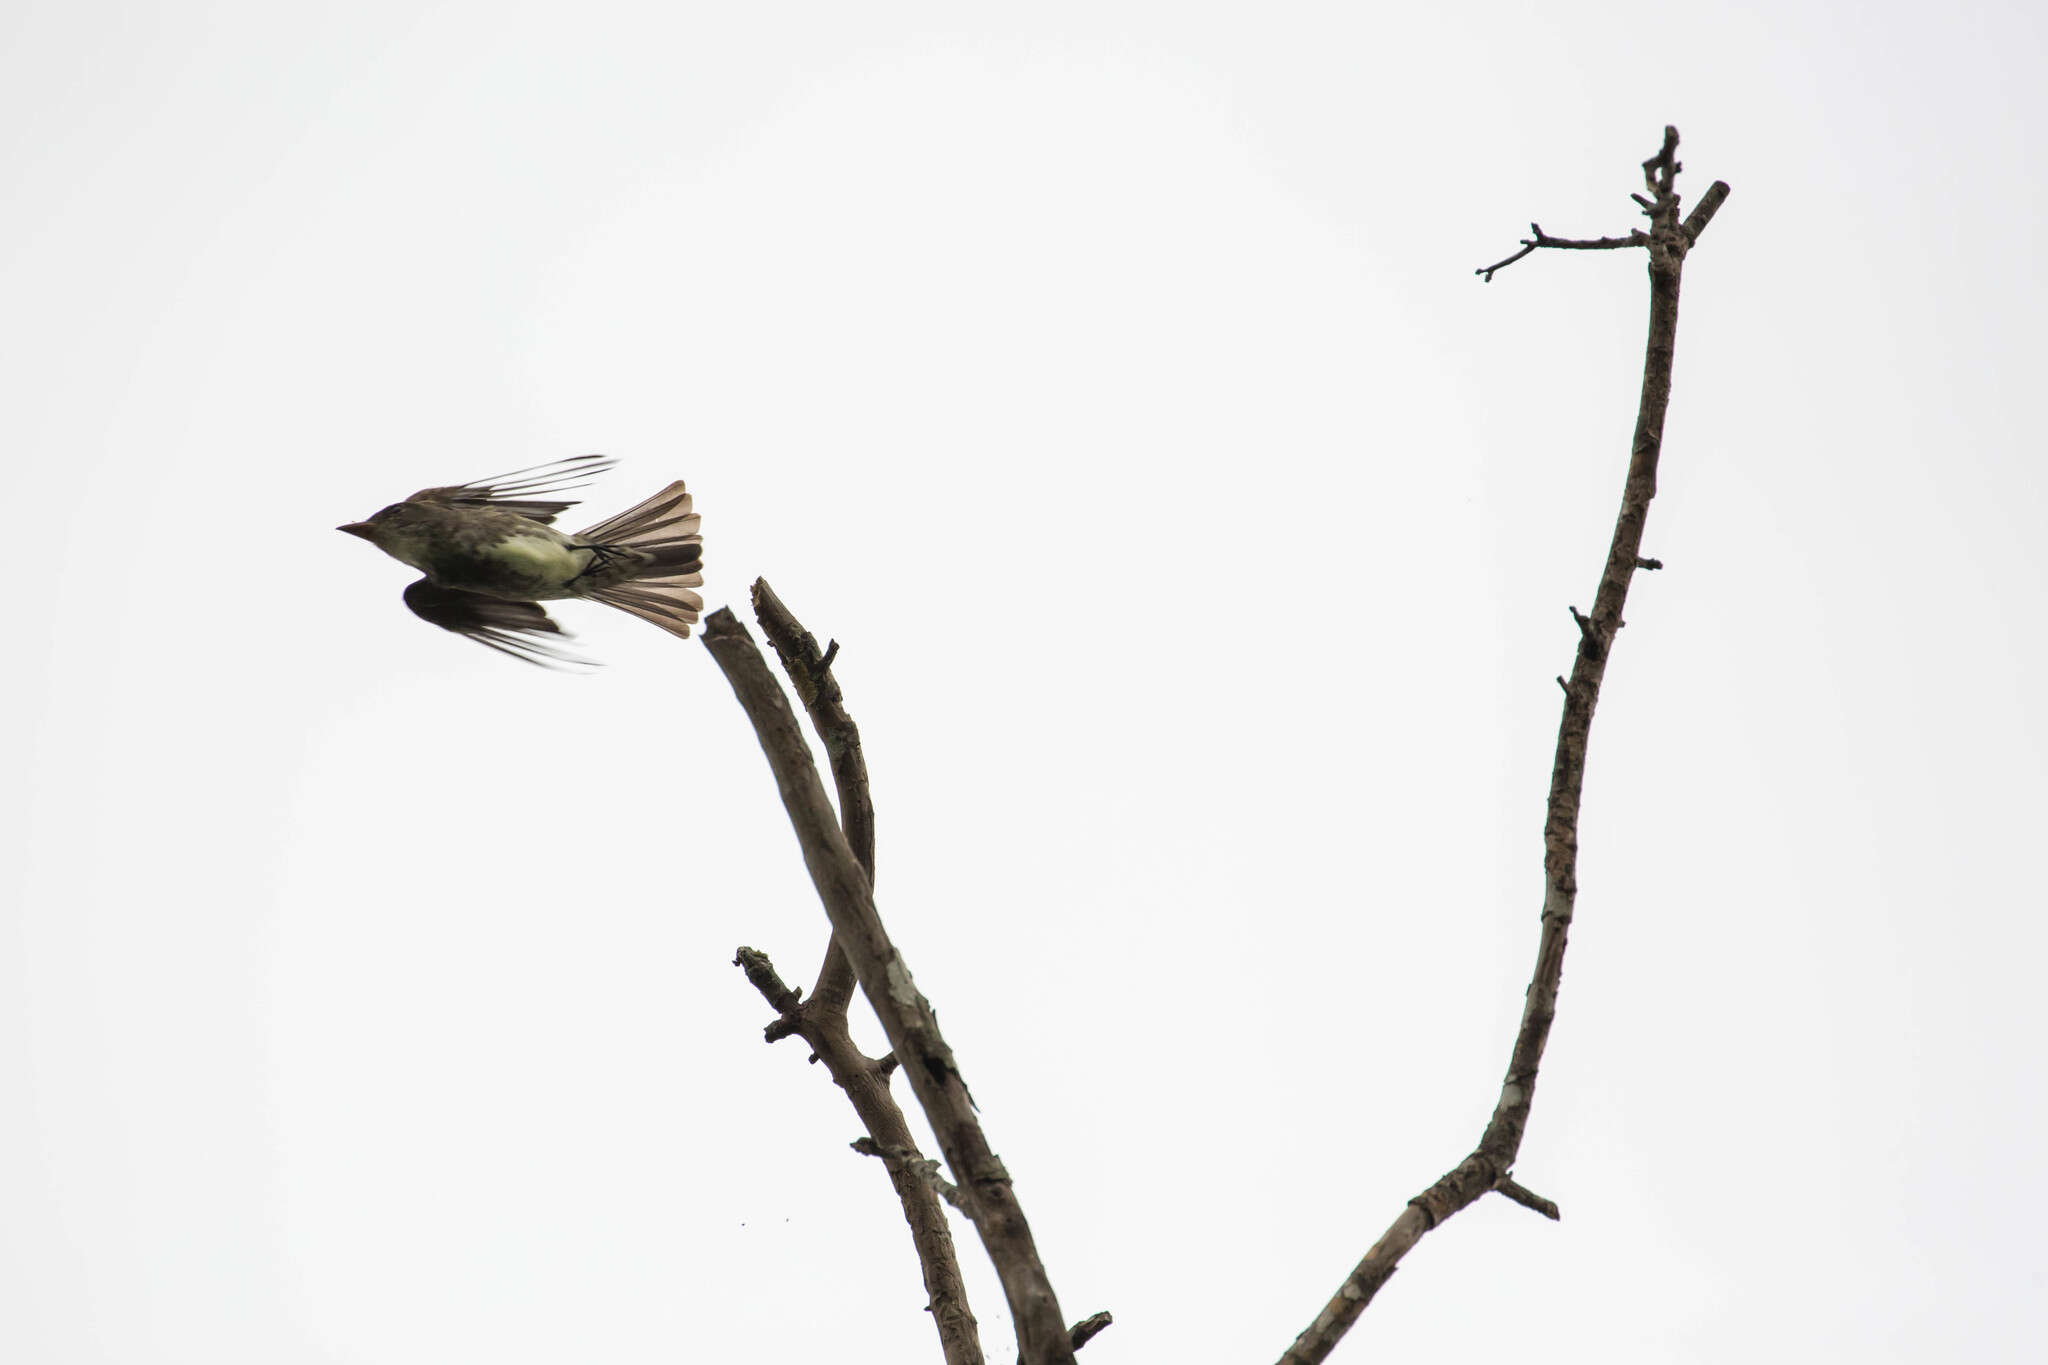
[1527, 1198]
[783, 998]
[761, 973]
[1585, 624]
[921, 1165]
[1088, 1328]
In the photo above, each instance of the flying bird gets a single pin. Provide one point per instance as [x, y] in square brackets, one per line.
[491, 556]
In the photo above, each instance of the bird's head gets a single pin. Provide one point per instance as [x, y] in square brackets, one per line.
[398, 530]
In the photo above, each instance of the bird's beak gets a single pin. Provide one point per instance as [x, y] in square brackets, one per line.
[357, 528]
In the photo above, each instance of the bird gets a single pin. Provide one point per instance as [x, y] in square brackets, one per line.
[491, 556]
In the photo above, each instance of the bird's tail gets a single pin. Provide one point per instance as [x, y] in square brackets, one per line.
[662, 532]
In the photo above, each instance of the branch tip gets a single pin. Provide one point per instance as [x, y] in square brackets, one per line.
[1089, 1327]
[1081, 1333]
[1704, 211]
[761, 974]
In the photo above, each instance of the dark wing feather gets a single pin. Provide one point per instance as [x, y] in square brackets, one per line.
[515, 492]
[508, 627]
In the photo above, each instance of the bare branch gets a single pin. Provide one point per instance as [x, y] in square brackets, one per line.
[811, 673]
[1490, 1162]
[906, 1016]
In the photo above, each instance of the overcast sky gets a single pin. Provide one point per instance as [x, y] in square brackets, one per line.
[1112, 381]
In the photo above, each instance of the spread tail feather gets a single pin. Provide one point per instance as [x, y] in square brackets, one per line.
[662, 518]
[668, 603]
[663, 533]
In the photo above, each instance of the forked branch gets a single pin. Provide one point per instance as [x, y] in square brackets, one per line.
[821, 1020]
[906, 1016]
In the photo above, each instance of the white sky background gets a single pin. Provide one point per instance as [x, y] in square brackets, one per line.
[1112, 381]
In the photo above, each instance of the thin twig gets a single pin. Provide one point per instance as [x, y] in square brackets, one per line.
[906, 1016]
[1539, 240]
[1527, 1198]
[1668, 241]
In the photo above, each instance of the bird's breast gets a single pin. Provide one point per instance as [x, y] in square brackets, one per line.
[520, 566]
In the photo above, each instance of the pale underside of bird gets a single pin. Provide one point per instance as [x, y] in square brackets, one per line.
[491, 556]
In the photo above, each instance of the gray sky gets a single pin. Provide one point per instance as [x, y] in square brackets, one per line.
[1112, 381]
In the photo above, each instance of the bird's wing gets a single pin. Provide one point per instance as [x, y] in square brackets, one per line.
[509, 627]
[515, 492]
